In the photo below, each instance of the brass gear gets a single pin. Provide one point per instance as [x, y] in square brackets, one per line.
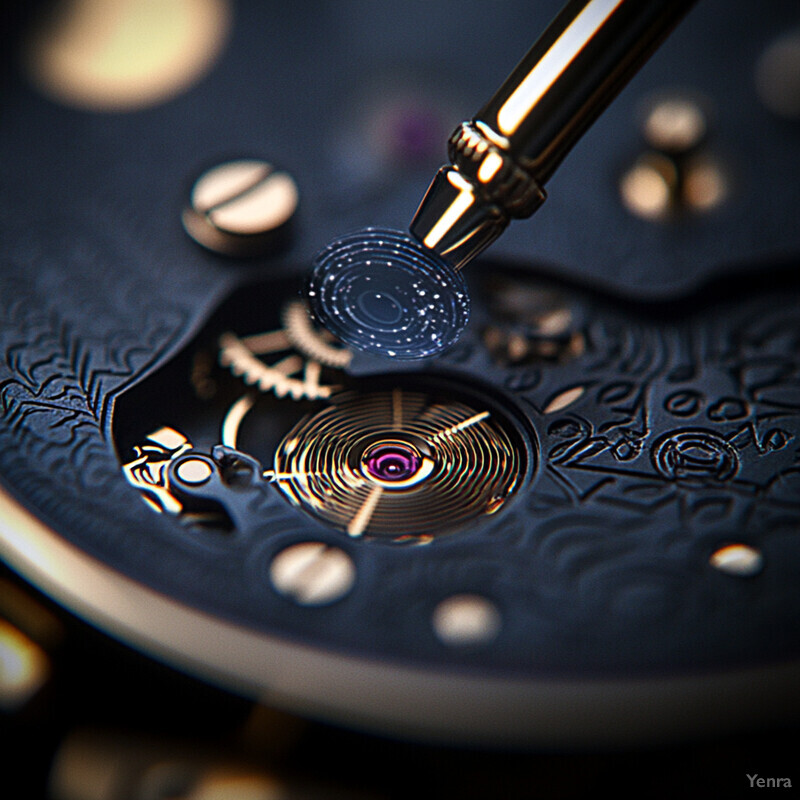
[315, 344]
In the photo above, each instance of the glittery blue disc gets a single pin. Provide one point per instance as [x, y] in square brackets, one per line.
[381, 291]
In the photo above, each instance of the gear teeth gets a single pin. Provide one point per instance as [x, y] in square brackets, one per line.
[311, 342]
[277, 379]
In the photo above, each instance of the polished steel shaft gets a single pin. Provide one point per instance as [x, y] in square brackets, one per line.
[501, 159]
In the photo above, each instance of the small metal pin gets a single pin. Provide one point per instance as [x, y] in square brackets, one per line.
[242, 208]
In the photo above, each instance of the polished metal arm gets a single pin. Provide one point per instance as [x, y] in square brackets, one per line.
[501, 159]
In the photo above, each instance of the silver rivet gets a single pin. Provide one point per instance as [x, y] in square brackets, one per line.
[738, 559]
[466, 619]
[674, 125]
[194, 471]
[241, 208]
[312, 573]
[778, 76]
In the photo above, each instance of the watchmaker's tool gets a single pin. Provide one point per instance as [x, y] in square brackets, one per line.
[402, 296]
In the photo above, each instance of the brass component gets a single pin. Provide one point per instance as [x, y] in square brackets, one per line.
[319, 345]
[263, 343]
[124, 55]
[397, 464]
[397, 409]
[233, 419]
[148, 471]
[170, 439]
[281, 377]
[358, 524]
[452, 430]
[241, 208]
